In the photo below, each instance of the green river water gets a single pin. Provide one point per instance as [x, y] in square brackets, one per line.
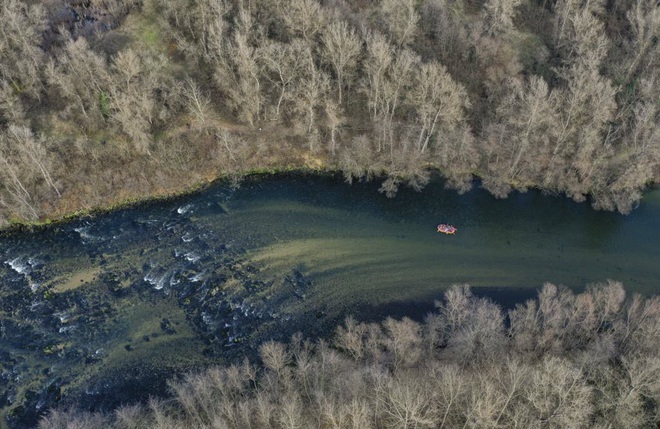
[102, 311]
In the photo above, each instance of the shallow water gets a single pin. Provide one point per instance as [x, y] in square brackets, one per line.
[103, 310]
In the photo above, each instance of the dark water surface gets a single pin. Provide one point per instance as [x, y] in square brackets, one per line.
[101, 311]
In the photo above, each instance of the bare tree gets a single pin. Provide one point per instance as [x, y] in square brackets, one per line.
[275, 357]
[290, 414]
[302, 18]
[34, 151]
[401, 19]
[639, 153]
[405, 404]
[456, 306]
[480, 337]
[20, 36]
[450, 390]
[512, 378]
[456, 151]
[265, 409]
[563, 10]
[389, 80]
[398, 81]
[482, 403]
[356, 414]
[284, 65]
[608, 301]
[133, 103]
[20, 203]
[309, 92]
[351, 338]
[25, 175]
[403, 342]
[475, 326]
[358, 159]
[555, 305]
[11, 106]
[197, 103]
[500, 14]
[197, 27]
[131, 417]
[559, 395]
[378, 60]
[525, 328]
[238, 74]
[439, 101]
[78, 420]
[587, 43]
[582, 147]
[81, 76]
[528, 115]
[622, 393]
[341, 48]
[644, 20]
[641, 326]
[334, 119]
[576, 23]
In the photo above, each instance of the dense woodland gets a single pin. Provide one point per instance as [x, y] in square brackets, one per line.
[560, 361]
[107, 100]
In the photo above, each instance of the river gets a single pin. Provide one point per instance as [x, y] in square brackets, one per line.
[103, 310]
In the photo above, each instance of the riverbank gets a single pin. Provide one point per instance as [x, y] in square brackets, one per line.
[125, 103]
[161, 196]
[317, 168]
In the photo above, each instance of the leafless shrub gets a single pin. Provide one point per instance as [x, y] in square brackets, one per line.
[70, 419]
[402, 342]
[275, 358]
[131, 417]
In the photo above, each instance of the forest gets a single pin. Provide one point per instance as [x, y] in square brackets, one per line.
[108, 101]
[558, 361]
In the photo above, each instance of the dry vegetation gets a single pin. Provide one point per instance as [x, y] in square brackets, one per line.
[561, 361]
[104, 100]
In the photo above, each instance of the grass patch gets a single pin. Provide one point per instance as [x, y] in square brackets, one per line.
[77, 279]
[145, 31]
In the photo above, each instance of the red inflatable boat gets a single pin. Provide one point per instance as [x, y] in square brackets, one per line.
[447, 229]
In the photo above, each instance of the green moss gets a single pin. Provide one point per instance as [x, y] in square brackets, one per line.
[104, 105]
[53, 349]
[150, 34]
[145, 31]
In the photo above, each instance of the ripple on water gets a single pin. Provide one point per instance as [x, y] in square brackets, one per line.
[192, 257]
[185, 209]
[64, 316]
[67, 329]
[34, 262]
[20, 265]
[83, 232]
[198, 277]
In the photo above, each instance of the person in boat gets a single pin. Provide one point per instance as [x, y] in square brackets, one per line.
[447, 229]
